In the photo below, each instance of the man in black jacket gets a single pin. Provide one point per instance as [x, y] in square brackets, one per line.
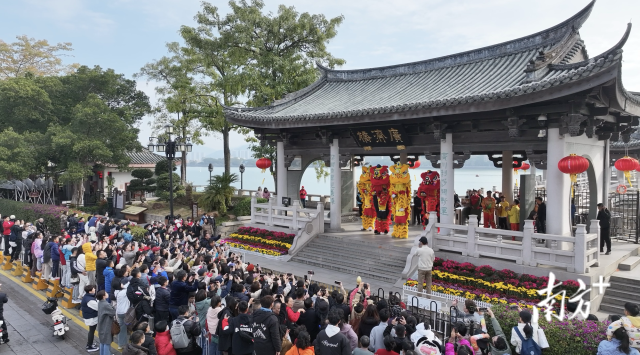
[241, 329]
[266, 332]
[5, 335]
[330, 341]
[101, 264]
[161, 303]
[541, 219]
[604, 216]
[310, 319]
[192, 328]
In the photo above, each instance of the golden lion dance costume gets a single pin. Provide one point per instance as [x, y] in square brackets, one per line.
[381, 200]
[401, 195]
[368, 211]
[429, 193]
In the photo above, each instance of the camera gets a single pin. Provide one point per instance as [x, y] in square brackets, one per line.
[311, 272]
[482, 309]
[337, 282]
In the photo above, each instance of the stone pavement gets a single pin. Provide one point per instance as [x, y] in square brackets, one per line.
[30, 331]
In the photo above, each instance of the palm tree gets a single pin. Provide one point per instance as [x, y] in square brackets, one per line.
[217, 196]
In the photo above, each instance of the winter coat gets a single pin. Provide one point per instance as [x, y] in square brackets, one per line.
[224, 340]
[46, 252]
[348, 332]
[212, 319]
[295, 351]
[310, 321]
[107, 277]
[241, 332]
[150, 344]
[180, 292]
[266, 333]
[55, 252]
[193, 331]
[331, 342]
[449, 347]
[201, 310]
[106, 312]
[89, 307]
[161, 303]
[3, 299]
[129, 257]
[163, 344]
[631, 325]
[101, 264]
[131, 349]
[366, 324]
[90, 257]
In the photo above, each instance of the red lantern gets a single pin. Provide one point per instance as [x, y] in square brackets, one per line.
[627, 165]
[525, 166]
[263, 163]
[573, 165]
[416, 164]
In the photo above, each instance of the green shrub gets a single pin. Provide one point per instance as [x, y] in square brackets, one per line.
[138, 233]
[243, 208]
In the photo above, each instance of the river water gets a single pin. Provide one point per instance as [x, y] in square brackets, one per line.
[465, 178]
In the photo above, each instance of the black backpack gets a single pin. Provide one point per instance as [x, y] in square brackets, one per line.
[28, 242]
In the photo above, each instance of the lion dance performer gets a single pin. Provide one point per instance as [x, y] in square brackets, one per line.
[401, 195]
[368, 211]
[381, 200]
[429, 193]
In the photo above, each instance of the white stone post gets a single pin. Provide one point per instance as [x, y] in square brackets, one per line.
[281, 172]
[336, 186]
[471, 236]
[527, 244]
[253, 208]
[447, 210]
[270, 215]
[607, 174]
[580, 249]
[320, 209]
[507, 175]
[558, 188]
[594, 228]
[432, 230]
[294, 224]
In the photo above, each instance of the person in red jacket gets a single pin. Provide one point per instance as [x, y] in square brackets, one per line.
[303, 197]
[163, 339]
[6, 232]
[293, 316]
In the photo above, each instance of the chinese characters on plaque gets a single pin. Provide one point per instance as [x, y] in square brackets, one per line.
[387, 136]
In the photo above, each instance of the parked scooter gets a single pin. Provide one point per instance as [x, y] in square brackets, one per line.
[1, 338]
[60, 326]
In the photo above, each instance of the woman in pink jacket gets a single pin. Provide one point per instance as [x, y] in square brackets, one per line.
[463, 345]
[212, 322]
[36, 251]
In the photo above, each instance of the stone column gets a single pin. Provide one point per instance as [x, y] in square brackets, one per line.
[281, 172]
[447, 210]
[507, 175]
[607, 174]
[348, 195]
[558, 186]
[403, 158]
[336, 187]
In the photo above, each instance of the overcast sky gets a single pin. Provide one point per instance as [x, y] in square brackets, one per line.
[126, 34]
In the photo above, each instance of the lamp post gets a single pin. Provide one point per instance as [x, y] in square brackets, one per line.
[210, 171]
[241, 175]
[169, 147]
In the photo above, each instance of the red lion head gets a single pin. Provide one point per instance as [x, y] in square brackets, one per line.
[430, 183]
[379, 179]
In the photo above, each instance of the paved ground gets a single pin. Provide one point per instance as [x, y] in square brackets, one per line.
[29, 328]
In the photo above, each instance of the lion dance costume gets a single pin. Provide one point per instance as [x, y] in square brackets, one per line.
[401, 195]
[381, 200]
[429, 193]
[368, 211]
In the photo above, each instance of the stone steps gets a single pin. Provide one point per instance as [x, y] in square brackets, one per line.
[361, 247]
[629, 263]
[383, 262]
[612, 309]
[348, 270]
[621, 291]
[354, 264]
[630, 296]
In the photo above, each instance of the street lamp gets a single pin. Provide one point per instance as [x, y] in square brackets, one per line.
[169, 147]
[241, 174]
[210, 171]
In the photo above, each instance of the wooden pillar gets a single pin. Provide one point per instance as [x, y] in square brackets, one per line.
[447, 210]
[507, 175]
[336, 186]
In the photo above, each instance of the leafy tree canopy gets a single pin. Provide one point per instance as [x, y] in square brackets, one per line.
[38, 57]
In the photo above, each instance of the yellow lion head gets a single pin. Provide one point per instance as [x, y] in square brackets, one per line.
[400, 174]
[366, 174]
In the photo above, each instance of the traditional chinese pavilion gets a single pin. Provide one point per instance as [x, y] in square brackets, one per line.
[537, 98]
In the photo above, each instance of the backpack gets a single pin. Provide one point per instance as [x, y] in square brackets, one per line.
[130, 317]
[529, 346]
[28, 242]
[179, 335]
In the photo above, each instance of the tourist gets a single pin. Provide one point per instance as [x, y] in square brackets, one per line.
[618, 344]
[231, 310]
[389, 344]
[302, 344]
[630, 323]
[258, 193]
[527, 330]
[266, 194]
[417, 209]
[514, 216]
[475, 201]
[400, 334]
[241, 330]
[285, 339]
[47, 264]
[497, 344]
[303, 197]
[458, 336]
[192, 328]
[180, 289]
[163, 339]
[89, 308]
[106, 313]
[148, 343]
[67, 249]
[377, 334]
[363, 347]
[15, 239]
[370, 319]
[63, 221]
[138, 295]
[90, 263]
[488, 211]
[6, 232]
[331, 341]
[266, 331]
[426, 256]
[135, 345]
[502, 213]
[347, 330]
[541, 216]
[309, 319]
[122, 305]
[604, 218]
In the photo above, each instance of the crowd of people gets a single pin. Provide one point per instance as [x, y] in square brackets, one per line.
[179, 291]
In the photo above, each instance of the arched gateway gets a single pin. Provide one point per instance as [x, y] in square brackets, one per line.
[539, 97]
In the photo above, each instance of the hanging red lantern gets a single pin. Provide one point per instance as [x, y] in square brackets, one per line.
[263, 163]
[573, 165]
[627, 165]
[416, 164]
[525, 166]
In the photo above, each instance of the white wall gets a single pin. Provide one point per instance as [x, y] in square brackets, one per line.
[592, 149]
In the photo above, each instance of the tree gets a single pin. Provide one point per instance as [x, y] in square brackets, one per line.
[319, 168]
[25, 105]
[38, 57]
[17, 154]
[217, 196]
[162, 186]
[162, 167]
[143, 182]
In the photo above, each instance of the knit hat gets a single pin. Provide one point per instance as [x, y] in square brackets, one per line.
[358, 280]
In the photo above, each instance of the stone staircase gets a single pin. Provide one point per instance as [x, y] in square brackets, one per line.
[371, 260]
[623, 288]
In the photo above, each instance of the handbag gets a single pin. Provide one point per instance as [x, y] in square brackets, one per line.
[115, 327]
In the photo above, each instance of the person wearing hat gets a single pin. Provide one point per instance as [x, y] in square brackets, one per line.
[426, 256]
[527, 330]
[303, 197]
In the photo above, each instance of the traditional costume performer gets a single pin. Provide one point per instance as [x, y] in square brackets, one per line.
[364, 188]
[429, 193]
[401, 196]
[381, 200]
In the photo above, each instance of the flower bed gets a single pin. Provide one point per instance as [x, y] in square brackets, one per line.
[490, 285]
[261, 241]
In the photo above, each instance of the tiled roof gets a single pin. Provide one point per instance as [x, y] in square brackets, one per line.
[484, 74]
[144, 157]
